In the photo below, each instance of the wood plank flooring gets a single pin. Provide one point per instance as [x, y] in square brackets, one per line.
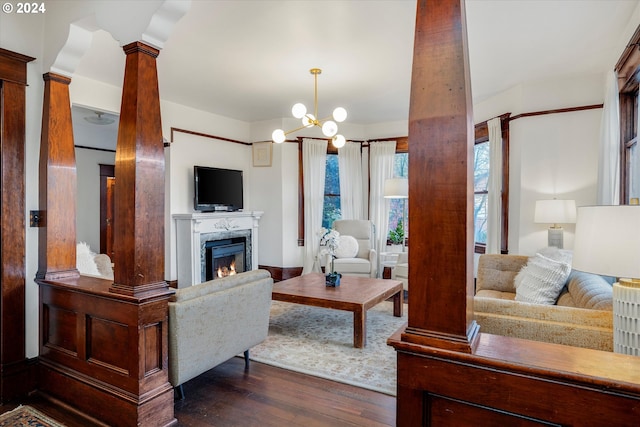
[263, 396]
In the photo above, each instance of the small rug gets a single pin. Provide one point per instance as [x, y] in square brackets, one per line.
[319, 342]
[28, 417]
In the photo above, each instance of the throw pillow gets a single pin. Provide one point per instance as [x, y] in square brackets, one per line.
[556, 254]
[590, 291]
[347, 247]
[541, 280]
[84, 260]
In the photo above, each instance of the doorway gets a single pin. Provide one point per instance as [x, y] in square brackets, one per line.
[107, 187]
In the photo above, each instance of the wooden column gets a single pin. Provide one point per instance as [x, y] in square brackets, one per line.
[441, 174]
[448, 373]
[13, 80]
[139, 194]
[104, 345]
[58, 183]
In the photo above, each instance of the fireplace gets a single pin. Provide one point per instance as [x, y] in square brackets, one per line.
[225, 257]
[194, 232]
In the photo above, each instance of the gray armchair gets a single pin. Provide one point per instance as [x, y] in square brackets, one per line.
[365, 263]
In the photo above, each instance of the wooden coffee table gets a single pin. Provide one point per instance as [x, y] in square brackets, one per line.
[356, 294]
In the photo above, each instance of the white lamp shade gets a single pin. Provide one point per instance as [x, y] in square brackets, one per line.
[338, 141]
[607, 241]
[298, 110]
[339, 114]
[329, 128]
[278, 136]
[396, 188]
[555, 211]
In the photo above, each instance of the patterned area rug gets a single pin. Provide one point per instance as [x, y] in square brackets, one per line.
[319, 342]
[27, 416]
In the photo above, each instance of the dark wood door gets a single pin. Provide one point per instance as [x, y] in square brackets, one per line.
[107, 186]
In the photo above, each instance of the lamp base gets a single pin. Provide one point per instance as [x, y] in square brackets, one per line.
[555, 237]
[626, 312]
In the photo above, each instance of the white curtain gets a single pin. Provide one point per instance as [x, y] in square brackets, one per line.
[350, 169]
[381, 161]
[314, 158]
[609, 159]
[494, 187]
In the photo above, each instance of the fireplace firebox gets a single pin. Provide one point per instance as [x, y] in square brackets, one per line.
[224, 257]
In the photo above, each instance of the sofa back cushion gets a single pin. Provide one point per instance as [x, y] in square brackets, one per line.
[585, 290]
[497, 272]
[217, 285]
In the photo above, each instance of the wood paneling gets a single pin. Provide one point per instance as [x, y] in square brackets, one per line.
[13, 365]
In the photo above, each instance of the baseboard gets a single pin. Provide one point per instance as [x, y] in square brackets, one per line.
[282, 273]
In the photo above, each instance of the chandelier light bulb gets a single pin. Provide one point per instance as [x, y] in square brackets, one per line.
[278, 136]
[329, 128]
[308, 120]
[339, 114]
[338, 141]
[298, 110]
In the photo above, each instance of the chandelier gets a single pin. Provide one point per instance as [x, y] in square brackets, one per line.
[329, 127]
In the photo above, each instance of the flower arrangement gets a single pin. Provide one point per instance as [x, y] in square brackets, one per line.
[329, 242]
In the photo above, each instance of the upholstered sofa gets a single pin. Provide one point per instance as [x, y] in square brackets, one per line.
[581, 316]
[214, 321]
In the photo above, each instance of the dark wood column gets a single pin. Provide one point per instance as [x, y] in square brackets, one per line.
[448, 373]
[58, 183]
[441, 174]
[13, 80]
[104, 345]
[139, 194]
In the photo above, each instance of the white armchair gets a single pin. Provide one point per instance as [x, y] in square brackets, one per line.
[401, 270]
[365, 261]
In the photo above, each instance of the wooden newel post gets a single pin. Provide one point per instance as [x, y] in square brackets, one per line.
[58, 183]
[441, 174]
[139, 190]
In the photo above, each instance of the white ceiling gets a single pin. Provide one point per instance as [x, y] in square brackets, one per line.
[249, 60]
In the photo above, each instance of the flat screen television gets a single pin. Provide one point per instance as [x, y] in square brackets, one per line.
[217, 189]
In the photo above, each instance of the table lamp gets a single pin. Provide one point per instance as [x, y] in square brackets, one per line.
[607, 242]
[555, 212]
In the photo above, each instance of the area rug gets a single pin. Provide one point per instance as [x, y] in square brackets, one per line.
[319, 342]
[27, 416]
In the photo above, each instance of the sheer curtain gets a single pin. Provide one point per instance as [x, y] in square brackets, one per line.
[494, 198]
[381, 160]
[609, 159]
[314, 158]
[350, 169]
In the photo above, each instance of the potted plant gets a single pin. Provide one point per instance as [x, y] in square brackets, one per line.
[328, 245]
[396, 237]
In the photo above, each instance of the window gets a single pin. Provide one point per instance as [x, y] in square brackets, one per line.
[481, 182]
[480, 190]
[331, 210]
[398, 207]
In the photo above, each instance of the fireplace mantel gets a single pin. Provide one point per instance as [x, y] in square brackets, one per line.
[194, 229]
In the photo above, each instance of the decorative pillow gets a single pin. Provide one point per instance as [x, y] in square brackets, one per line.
[84, 260]
[541, 280]
[347, 247]
[552, 252]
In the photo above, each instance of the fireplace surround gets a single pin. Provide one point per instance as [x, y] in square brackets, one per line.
[201, 234]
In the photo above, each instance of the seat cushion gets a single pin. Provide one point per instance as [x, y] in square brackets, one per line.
[351, 265]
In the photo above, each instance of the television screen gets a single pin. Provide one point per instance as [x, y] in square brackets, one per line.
[217, 189]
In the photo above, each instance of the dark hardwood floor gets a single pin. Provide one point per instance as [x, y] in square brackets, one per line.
[229, 395]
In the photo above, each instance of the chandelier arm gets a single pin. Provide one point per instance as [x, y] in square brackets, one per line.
[294, 130]
[315, 94]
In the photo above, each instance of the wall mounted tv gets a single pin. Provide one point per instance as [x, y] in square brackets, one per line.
[217, 189]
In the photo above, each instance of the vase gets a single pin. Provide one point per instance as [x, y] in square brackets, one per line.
[332, 280]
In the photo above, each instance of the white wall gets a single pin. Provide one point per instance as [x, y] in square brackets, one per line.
[88, 203]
